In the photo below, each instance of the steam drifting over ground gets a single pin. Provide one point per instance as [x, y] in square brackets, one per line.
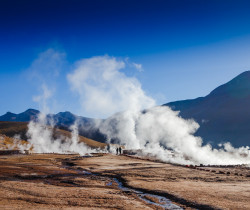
[40, 133]
[103, 88]
[159, 128]
[138, 123]
[42, 140]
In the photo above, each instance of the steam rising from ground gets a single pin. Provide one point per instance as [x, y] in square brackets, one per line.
[43, 141]
[41, 133]
[103, 88]
[160, 128]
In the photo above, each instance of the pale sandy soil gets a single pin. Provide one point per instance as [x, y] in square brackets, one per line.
[50, 181]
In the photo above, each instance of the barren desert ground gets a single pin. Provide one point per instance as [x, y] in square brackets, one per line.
[106, 181]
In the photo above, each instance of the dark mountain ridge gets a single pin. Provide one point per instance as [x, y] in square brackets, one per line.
[62, 120]
[29, 114]
[224, 114]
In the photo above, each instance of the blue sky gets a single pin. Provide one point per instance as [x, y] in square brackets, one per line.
[186, 47]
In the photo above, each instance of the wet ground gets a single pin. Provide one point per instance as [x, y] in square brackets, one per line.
[53, 181]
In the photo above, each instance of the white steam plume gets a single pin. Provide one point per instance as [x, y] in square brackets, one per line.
[42, 140]
[41, 135]
[40, 131]
[159, 128]
[104, 89]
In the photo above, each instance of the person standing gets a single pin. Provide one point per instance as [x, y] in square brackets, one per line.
[117, 150]
[120, 150]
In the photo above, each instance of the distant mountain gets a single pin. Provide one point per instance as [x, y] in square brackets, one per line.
[62, 120]
[224, 114]
[26, 116]
[67, 119]
[86, 126]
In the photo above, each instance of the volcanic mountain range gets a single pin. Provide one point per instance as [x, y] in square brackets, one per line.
[223, 115]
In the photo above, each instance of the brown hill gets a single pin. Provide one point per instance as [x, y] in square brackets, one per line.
[14, 128]
[8, 143]
[10, 129]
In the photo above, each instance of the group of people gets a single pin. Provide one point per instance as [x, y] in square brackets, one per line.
[118, 150]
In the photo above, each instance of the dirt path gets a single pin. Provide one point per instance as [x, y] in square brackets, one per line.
[50, 181]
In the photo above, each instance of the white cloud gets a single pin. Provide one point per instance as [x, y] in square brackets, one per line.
[138, 66]
[46, 73]
[48, 65]
[104, 89]
[43, 98]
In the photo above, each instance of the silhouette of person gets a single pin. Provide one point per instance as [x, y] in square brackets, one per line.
[120, 150]
[117, 150]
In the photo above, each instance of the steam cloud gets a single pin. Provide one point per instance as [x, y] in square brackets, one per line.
[41, 136]
[103, 89]
[138, 123]
[42, 141]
